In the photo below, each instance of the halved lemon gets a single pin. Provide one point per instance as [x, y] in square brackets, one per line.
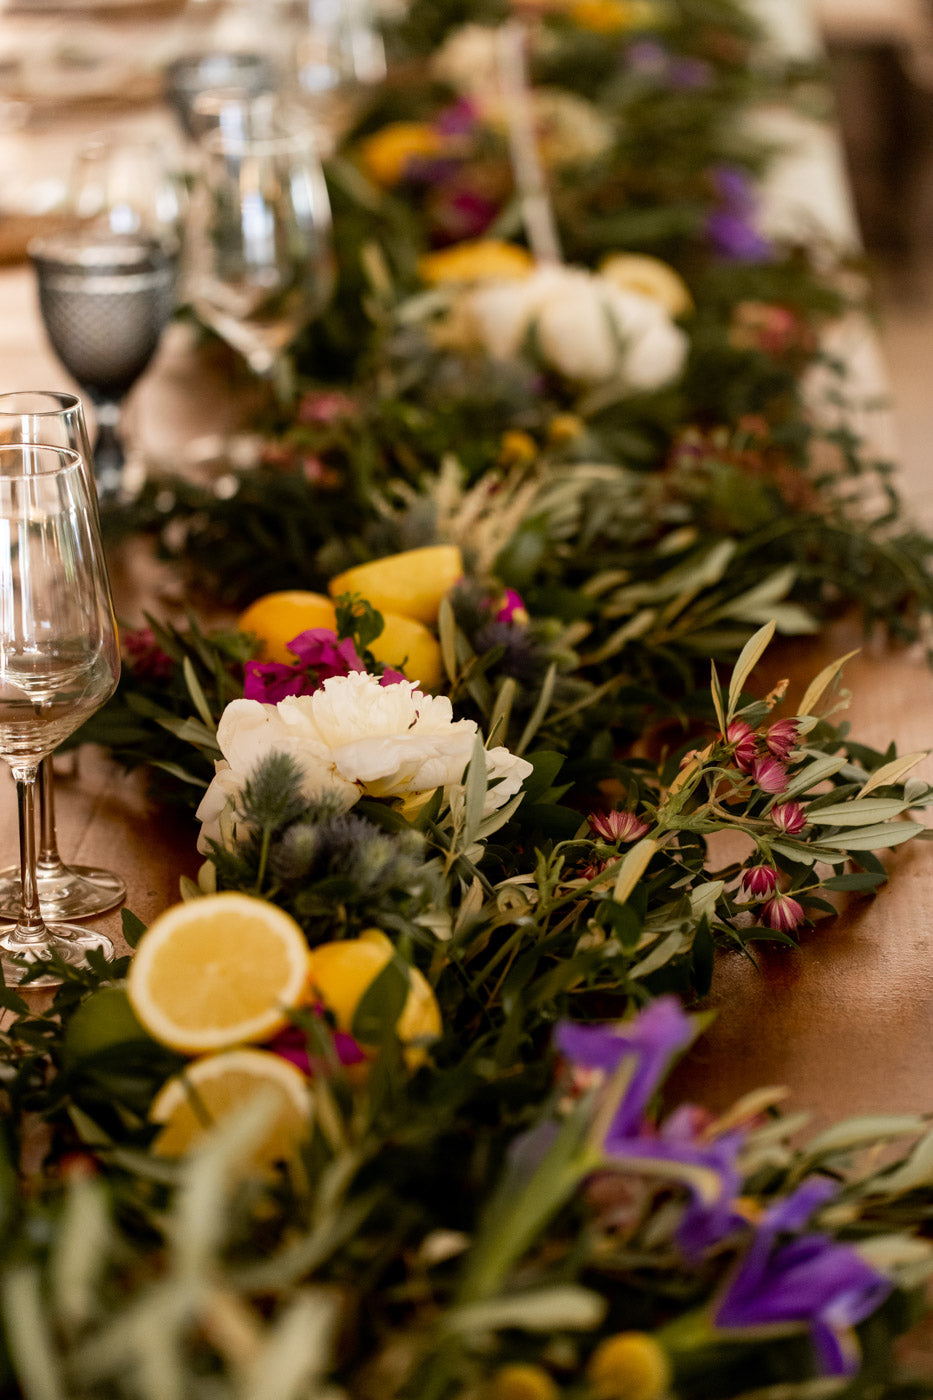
[217, 972]
[412, 583]
[476, 260]
[277, 618]
[212, 1088]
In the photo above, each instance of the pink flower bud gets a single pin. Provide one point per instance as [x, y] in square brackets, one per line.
[789, 817]
[781, 738]
[511, 607]
[759, 880]
[617, 826]
[770, 775]
[745, 744]
[781, 913]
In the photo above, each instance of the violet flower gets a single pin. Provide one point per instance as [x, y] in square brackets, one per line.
[812, 1280]
[652, 1040]
[730, 227]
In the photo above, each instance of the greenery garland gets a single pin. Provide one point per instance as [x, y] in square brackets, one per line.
[490, 1198]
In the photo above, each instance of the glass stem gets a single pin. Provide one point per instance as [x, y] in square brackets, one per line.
[49, 862]
[109, 456]
[30, 928]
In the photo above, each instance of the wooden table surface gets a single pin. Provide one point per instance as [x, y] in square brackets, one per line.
[846, 1022]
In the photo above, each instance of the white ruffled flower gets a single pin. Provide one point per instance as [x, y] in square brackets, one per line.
[584, 326]
[353, 738]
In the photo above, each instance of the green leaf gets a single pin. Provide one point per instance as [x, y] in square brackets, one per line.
[540, 709]
[474, 793]
[860, 880]
[718, 706]
[892, 772]
[811, 774]
[381, 1004]
[447, 637]
[562, 1307]
[858, 812]
[197, 694]
[874, 838]
[29, 1336]
[133, 927]
[749, 657]
[546, 764]
[633, 866]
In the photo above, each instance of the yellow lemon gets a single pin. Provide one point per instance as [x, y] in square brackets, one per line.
[217, 1085]
[523, 1381]
[629, 1366]
[216, 972]
[476, 260]
[342, 973]
[638, 272]
[612, 16]
[412, 583]
[277, 618]
[409, 647]
[385, 154]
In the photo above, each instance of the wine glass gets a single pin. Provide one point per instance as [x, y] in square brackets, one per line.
[260, 263]
[59, 659]
[105, 299]
[77, 891]
[128, 187]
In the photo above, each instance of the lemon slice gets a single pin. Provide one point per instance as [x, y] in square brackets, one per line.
[211, 1088]
[277, 618]
[218, 972]
[412, 583]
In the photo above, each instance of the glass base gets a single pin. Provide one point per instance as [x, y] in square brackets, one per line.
[69, 941]
[65, 892]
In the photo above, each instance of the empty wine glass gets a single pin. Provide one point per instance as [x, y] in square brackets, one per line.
[128, 187]
[76, 891]
[59, 660]
[260, 263]
[105, 300]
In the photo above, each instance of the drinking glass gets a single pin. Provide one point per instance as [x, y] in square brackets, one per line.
[259, 256]
[59, 659]
[105, 300]
[128, 187]
[75, 891]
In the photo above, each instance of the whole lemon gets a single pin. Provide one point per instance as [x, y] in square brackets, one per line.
[411, 583]
[277, 618]
[343, 972]
[409, 647]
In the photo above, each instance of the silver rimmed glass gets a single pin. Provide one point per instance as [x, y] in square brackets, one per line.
[105, 300]
[259, 256]
[65, 891]
[59, 660]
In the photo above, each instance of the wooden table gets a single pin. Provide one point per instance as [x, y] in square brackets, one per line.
[846, 1022]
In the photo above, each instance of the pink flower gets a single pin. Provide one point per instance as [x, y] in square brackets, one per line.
[146, 658]
[511, 607]
[325, 406]
[770, 775]
[319, 656]
[789, 817]
[292, 1044]
[617, 826]
[781, 913]
[759, 880]
[781, 738]
[745, 744]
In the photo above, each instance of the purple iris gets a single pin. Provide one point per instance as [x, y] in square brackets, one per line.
[730, 228]
[652, 1040]
[648, 59]
[812, 1279]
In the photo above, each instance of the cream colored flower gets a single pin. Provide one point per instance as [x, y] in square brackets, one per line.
[584, 326]
[469, 60]
[353, 738]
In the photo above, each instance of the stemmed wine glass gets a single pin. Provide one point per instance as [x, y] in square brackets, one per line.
[77, 891]
[59, 660]
[260, 263]
[128, 187]
[105, 299]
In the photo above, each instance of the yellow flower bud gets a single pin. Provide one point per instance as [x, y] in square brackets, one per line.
[523, 1382]
[629, 1366]
[564, 427]
[610, 16]
[517, 448]
[386, 153]
[476, 260]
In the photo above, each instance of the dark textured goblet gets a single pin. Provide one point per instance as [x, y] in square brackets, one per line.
[104, 304]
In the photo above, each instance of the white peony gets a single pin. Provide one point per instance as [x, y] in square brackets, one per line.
[584, 326]
[352, 738]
